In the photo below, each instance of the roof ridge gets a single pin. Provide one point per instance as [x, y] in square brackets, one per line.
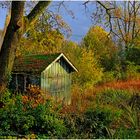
[40, 54]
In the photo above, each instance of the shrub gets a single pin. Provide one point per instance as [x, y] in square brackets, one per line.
[81, 99]
[132, 71]
[132, 55]
[48, 124]
[123, 107]
[92, 123]
[22, 119]
[108, 77]
[35, 96]
[89, 72]
[125, 133]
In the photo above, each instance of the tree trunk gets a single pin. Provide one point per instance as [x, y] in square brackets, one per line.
[12, 36]
[8, 50]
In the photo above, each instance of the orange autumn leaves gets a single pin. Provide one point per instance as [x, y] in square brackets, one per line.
[35, 96]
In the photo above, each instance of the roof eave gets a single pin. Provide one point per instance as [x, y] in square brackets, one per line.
[74, 68]
[68, 61]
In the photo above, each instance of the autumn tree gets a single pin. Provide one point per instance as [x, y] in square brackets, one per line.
[45, 36]
[122, 19]
[17, 26]
[102, 46]
[89, 71]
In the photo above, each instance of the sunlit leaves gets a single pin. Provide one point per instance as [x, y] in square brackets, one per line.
[102, 46]
[44, 36]
[89, 71]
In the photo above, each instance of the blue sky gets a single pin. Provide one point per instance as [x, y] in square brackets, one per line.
[2, 17]
[79, 25]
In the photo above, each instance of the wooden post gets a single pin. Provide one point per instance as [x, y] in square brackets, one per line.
[16, 82]
[25, 77]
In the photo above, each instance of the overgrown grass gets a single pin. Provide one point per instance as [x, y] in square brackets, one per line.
[121, 107]
[103, 112]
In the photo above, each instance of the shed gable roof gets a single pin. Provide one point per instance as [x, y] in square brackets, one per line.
[38, 63]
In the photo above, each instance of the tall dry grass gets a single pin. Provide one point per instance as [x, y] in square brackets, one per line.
[82, 99]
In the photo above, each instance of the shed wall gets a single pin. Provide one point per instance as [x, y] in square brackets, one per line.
[20, 81]
[57, 80]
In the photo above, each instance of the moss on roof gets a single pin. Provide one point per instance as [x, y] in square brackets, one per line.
[33, 63]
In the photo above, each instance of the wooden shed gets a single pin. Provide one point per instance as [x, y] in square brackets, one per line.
[52, 72]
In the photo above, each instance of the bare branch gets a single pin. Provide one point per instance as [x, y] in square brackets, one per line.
[120, 30]
[134, 23]
[107, 9]
[60, 4]
[121, 18]
[85, 4]
[109, 15]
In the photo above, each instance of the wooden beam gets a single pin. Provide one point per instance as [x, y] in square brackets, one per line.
[25, 77]
[16, 82]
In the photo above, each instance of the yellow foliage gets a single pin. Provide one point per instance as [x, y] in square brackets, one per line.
[89, 71]
[117, 13]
